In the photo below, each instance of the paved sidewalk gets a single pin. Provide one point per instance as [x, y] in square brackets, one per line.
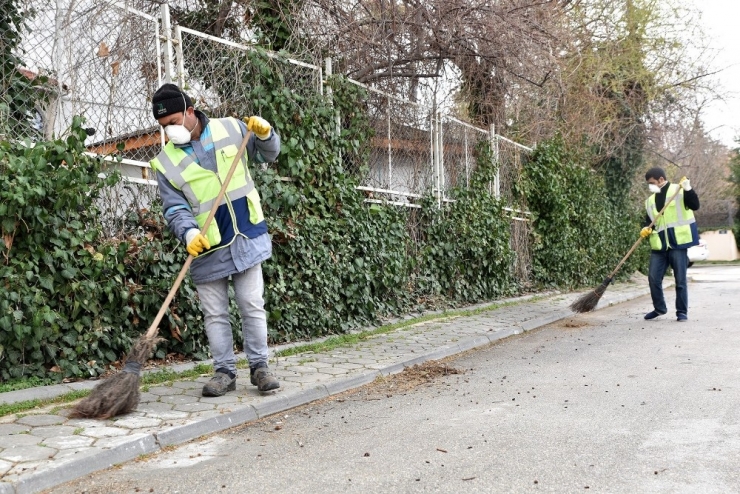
[43, 448]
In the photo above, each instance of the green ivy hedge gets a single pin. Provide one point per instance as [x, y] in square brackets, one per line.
[580, 236]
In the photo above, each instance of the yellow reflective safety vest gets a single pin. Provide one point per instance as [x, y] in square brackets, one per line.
[676, 228]
[240, 212]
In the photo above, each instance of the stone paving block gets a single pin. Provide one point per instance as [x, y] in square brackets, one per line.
[6, 488]
[40, 420]
[332, 371]
[137, 422]
[115, 442]
[349, 366]
[53, 431]
[380, 365]
[334, 359]
[27, 453]
[68, 442]
[364, 360]
[299, 369]
[147, 397]
[187, 385]
[179, 399]
[154, 407]
[196, 392]
[4, 467]
[306, 379]
[195, 407]
[165, 390]
[206, 414]
[75, 454]
[19, 469]
[8, 429]
[168, 415]
[227, 399]
[100, 432]
[20, 440]
[320, 364]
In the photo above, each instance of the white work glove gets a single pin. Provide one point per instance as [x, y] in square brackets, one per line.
[685, 184]
[196, 242]
[259, 126]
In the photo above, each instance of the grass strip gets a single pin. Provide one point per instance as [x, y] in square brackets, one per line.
[24, 406]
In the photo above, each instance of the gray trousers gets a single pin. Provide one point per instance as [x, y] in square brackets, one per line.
[214, 300]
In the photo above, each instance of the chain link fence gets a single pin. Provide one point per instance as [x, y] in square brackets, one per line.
[104, 60]
[97, 60]
[401, 150]
[460, 143]
[219, 74]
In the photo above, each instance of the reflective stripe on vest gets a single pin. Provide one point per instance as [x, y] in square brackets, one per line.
[677, 222]
[201, 187]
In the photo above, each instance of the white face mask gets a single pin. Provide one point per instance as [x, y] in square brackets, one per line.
[653, 188]
[178, 134]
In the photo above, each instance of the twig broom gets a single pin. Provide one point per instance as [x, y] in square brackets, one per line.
[119, 393]
[588, 302]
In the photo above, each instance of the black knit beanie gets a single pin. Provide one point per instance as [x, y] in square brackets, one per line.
[168, 100]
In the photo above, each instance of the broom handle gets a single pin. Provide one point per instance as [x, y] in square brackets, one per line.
[155, 324]
[652, 223]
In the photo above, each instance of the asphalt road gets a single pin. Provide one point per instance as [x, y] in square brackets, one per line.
[601, 402]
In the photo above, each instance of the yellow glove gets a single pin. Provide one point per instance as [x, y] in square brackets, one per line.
[196, 242]
[684, 183]
[259, 126]
[645, 232]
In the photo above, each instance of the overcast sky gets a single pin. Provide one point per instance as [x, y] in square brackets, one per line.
[721, 21]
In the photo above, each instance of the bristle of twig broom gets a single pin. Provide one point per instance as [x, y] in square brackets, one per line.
[118, 394]
[589, 301]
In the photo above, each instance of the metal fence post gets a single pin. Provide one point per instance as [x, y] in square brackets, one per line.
[437, 159]
[496, 163]
[167, 37]
[328, 71]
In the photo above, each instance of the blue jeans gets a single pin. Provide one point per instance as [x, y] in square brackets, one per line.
[678, 260]
[214, 300]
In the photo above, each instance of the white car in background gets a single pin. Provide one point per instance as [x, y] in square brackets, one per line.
[698, 252]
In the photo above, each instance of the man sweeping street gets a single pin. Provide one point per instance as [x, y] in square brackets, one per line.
[673, 233]
[189, 171]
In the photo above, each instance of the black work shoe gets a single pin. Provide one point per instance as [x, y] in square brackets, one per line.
[263, 379]
[652, 315]
[219, 385]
